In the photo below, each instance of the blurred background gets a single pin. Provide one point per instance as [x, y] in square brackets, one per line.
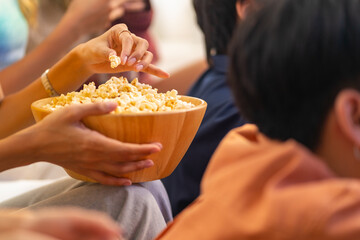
[176, 33]
[173, 28]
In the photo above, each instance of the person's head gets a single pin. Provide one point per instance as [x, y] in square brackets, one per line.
[217, 20]
[295, 72]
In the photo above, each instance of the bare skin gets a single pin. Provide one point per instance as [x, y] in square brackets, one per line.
[56, 224]
[54, 138]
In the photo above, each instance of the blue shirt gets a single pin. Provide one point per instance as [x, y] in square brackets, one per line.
[183, 185]
[13, 33]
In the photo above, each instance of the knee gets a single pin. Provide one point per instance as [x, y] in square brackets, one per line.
[140, 214]
[139, 199]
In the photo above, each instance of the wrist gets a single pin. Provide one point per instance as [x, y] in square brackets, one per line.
[70, 72]
[80, 53]
[47, 84]
[15, 151]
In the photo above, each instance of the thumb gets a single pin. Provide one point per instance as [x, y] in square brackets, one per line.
[79, 111]
[110, 52]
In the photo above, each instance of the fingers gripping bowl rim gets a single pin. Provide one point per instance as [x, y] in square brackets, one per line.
[174, 129]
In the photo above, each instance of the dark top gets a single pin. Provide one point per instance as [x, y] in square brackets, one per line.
[183, 185]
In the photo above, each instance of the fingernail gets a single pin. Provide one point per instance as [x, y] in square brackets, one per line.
[159, 145]
[139, 67]
[148, 163]
[127, 183]
[109, 106]
[131, 61]
[124, 60]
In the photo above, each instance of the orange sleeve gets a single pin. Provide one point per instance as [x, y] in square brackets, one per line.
[260, 189]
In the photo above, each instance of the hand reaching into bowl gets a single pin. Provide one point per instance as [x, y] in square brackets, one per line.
[93, 57]
[75, 68]
[119, 41]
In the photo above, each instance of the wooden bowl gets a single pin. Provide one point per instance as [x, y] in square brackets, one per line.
[175, 130]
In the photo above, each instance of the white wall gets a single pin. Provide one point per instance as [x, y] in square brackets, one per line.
[176, 32]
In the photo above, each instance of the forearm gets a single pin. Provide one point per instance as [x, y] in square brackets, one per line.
[67, 75]
[183, 79]
[25, 71]
[13, 153]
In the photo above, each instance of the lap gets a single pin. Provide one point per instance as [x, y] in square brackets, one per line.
[142, 209]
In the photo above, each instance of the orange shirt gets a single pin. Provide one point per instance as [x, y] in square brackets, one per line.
[257, 188]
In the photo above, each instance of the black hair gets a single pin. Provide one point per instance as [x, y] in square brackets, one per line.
[217, 20]
[289, 61]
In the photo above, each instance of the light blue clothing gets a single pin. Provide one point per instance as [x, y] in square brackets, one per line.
[13, 33]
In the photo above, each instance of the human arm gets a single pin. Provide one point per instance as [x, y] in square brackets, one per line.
[79, 20]
[72, 70]
[182, 79]
[62, 139]
[56, 224]
[53, 140]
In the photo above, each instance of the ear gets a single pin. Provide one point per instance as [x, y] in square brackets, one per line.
[241, 7]
[347, 112]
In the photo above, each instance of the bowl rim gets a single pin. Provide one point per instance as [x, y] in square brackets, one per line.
[201, 105]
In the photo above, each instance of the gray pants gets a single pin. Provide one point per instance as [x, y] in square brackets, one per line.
[141, 209]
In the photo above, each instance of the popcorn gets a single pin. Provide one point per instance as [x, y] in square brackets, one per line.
[131, 97]
[114, 61]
